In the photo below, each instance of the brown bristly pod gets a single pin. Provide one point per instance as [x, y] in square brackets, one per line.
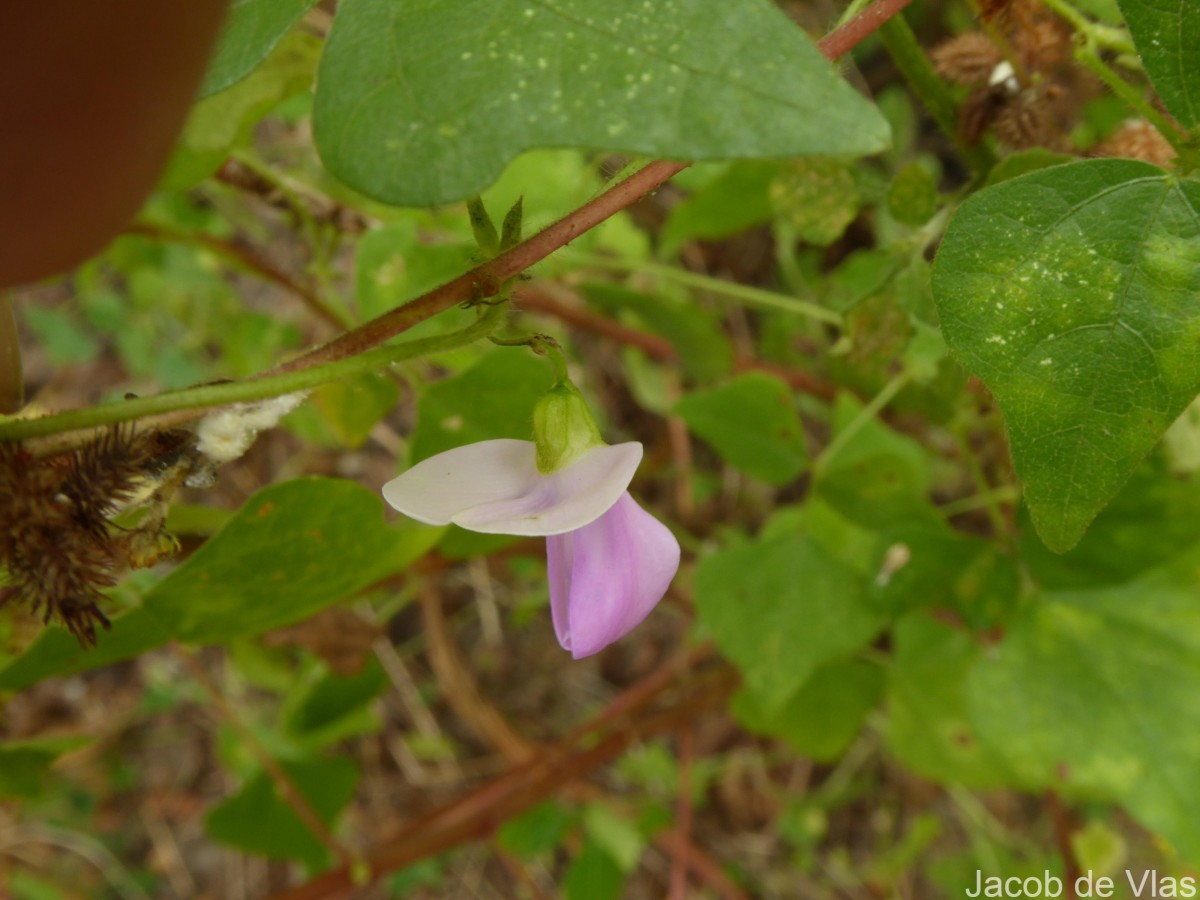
[56, 565]
[1137, 139]
[967, 59]
[60, 546]
[978, 112]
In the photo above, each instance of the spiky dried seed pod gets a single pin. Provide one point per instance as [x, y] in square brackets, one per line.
[978, 112]
[1044, 42]
[1034, 118]
[59, 573]
[1022, 122]
[1137, 139]
[58, 544]
[101, 476]
[967, 59]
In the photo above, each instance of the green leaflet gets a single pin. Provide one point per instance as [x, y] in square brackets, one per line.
[422, 102]
[25, 764]
[823, 717]
[258, 820]
[252, 29]
[751, 422]
[778, 609]
[927, 727]
[1074, 294]
[1094, 691]
[1167, 36]
[217, 124]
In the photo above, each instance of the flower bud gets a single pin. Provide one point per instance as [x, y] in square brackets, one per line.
[563, 428]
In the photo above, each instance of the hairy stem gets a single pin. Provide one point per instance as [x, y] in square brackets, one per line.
[485, 280]
[260, 388]
[1088, 55]
[1106, 36]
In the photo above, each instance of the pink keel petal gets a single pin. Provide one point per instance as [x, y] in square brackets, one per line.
[607, 576]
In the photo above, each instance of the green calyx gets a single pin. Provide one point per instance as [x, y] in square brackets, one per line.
[563, 428]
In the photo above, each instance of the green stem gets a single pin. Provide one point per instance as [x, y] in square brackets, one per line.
[751, 296]
[1106, 36]
[986, 500]
[867, 414]
[287, 187]
[253, 389]
[1089, 57]
[550, 348]
[988, 497]
[855, 7]
[933, 93]
[541, 345]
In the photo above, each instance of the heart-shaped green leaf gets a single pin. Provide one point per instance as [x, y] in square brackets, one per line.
[1167, 36]
[1074, 294]
[422, 102]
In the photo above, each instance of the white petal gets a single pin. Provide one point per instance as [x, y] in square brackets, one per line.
[564, 501]
[437, 489]
[494, 487]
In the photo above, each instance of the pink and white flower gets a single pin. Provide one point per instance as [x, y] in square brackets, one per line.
[609, 561]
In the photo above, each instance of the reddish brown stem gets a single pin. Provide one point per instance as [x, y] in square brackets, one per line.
[1064, 825]
[485, 280]
[683, 818]
[596, 743]
[537, 298]
[701, 864]
[476, 815]
[859, 28]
